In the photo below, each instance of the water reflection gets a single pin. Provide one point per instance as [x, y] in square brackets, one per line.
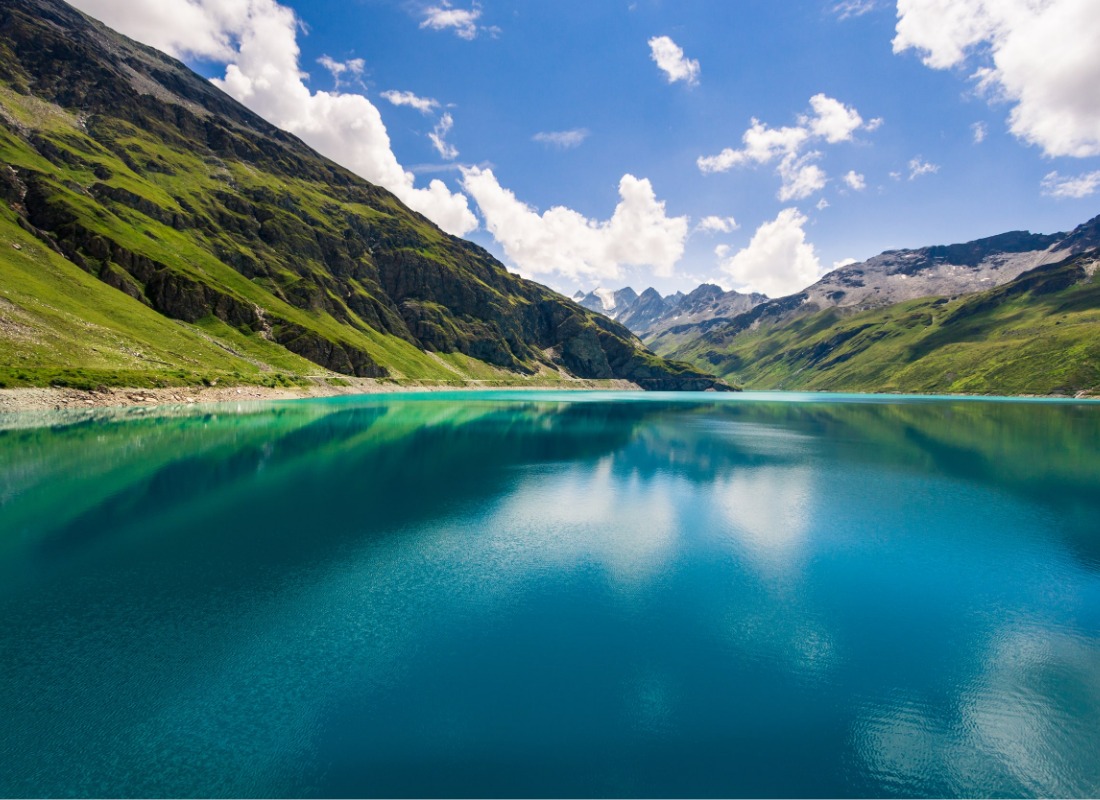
[553, 595]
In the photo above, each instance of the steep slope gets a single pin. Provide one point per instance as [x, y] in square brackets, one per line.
[645, 312]
[1037, 334]
[144, 175]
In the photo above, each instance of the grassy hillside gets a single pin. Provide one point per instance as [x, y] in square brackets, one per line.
[262, 260]
[1039, 334]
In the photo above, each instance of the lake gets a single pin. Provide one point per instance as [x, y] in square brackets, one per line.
[553, 594]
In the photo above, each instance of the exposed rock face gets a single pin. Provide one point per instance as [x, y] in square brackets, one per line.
[167, 189]
[645, 312]
[705, 303]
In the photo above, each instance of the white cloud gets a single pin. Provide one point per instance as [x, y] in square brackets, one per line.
[801, 177]
[1068, 186]
[563, 242]
[980, 131]
[1040, 55]
[843, 263]
[895, 176]
[918, 167]
[562, 139]
[778, 260]
[715, 224]
[670, 59]
[353, 67]
[855, 181]
[438, 136]
[830, 120]
[761, 145]
[822, 204]
[854, 8]
[722, 250]
[195, 27]
[257, 39]
[462, 20]
[425, 105]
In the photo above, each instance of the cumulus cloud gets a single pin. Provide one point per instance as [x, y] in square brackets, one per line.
[822, 204]
[778, 260]
[830, 121]
[1040, 55]
[463, 21]
[918, 167]
[722, 250]
[257, 40]
[1070, 186]
[715, 224]
[563, 242]
[801, 177]
[670, 58]
[439, 141]
[353, 67]
[761, 145]
[180, 27]
[855, 181]
[425, 105]
[563, 140]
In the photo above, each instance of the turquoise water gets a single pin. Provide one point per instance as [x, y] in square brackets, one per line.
[547, 594]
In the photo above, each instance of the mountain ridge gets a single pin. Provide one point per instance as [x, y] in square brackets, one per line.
[908, 274]
[648, 313]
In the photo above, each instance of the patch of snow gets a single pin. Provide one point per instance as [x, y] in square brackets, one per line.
[607, 298]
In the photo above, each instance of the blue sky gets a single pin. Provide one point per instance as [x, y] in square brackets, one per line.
[965, 127]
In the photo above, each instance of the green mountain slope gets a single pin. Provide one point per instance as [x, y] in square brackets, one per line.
[225, 248]
[1038, 334]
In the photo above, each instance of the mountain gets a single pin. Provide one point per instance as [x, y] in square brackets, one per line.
[649, 313]
[1012, 314]
[898, 275]
[705, 303]
[154, 230]
[606, 302]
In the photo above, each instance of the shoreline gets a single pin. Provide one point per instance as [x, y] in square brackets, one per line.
[49, 398]
[24, 400]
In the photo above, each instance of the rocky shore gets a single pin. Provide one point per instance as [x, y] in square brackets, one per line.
[58, 399]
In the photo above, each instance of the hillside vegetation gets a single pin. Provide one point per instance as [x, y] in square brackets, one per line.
[154, 231]
[1038, 334]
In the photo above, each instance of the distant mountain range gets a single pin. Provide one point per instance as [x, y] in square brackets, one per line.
[154, 231]
[648, 314]
[1017, 313]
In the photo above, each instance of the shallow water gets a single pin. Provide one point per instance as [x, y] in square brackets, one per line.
[554, 594]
